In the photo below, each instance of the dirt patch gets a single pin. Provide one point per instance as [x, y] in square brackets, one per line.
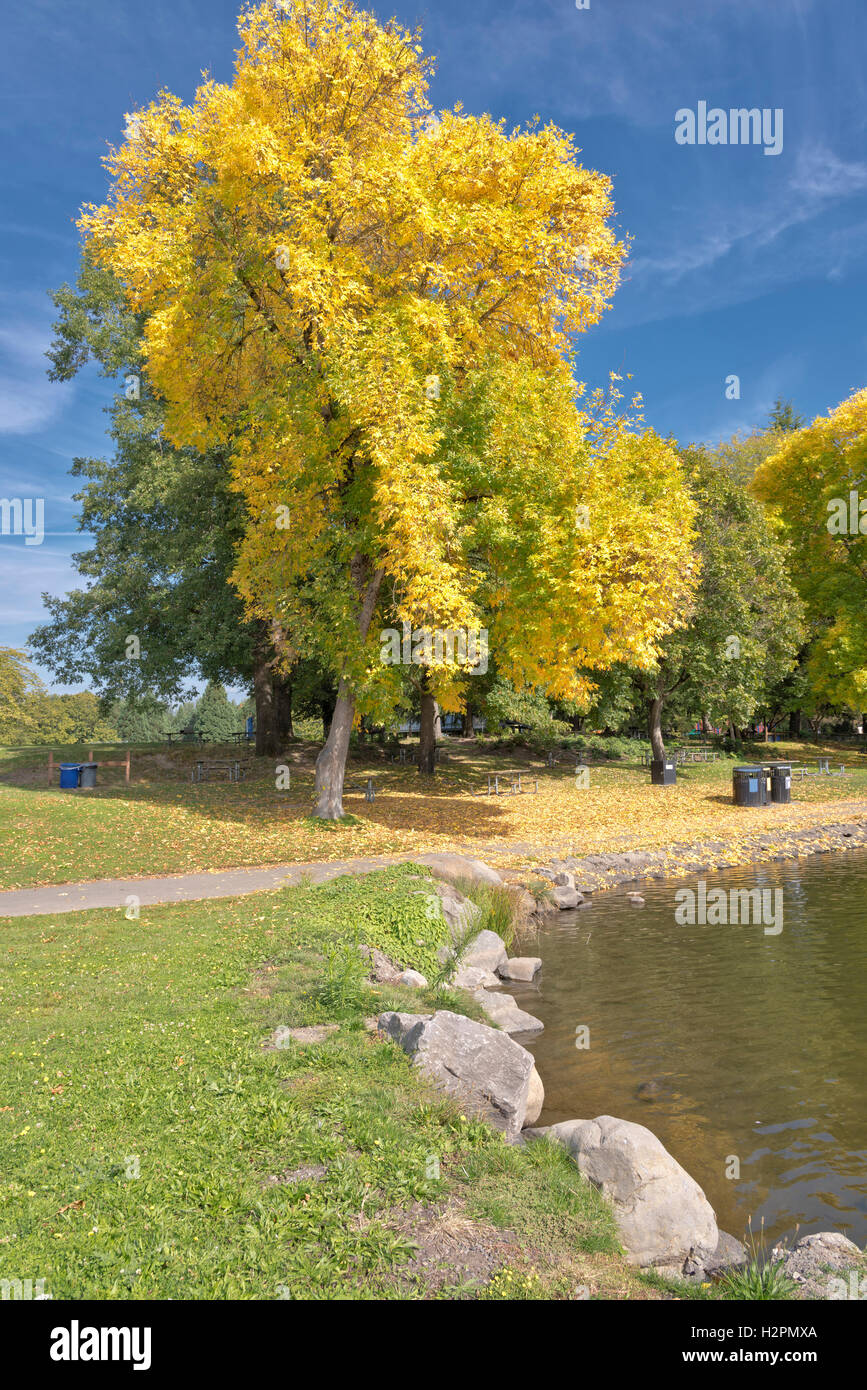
[452, 1249]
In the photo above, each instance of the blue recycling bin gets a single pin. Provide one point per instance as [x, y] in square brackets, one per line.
[69, 775]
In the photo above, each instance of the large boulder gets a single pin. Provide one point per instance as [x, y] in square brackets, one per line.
[487, 951]
[535, 1099]
[662, 1214]
[456, 867]
[460, 913]
[503, 1009]
[481, 1066]
[565, 898]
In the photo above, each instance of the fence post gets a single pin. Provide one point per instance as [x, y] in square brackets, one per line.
[50, 768]
[126, 777]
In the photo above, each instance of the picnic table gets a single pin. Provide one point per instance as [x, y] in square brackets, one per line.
[230, 768]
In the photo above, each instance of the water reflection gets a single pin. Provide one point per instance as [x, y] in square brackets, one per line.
[728, 1043]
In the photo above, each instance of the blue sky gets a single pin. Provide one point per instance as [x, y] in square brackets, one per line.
[741, 262]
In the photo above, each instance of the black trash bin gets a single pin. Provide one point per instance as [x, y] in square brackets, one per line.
[663, 774]
[781, 782]
[88, 774]
[749, 785]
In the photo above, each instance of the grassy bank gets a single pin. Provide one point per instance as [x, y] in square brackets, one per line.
[150, 1147]
[163, 824]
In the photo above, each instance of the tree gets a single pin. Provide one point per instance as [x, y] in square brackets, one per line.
[216, 718]
[157, 605]
[783, 418]
[18, 685]
[745, 625]
[814, 483]
[146, 720]
[371, 310]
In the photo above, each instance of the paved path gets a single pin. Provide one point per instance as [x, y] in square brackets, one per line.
[182, 888]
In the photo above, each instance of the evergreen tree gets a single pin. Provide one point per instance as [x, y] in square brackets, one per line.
[216, 718]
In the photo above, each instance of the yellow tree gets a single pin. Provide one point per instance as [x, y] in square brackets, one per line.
[816, 483]
[372, 308]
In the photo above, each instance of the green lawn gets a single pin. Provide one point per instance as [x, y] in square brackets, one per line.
[163, 824]
[149, 1147]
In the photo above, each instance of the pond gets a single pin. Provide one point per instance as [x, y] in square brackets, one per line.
[743, 1047]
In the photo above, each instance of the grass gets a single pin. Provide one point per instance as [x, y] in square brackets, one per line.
[163, 824]
[762, 1278]
[151, 1149]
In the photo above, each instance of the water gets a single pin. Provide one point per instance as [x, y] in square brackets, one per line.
[756, 1043]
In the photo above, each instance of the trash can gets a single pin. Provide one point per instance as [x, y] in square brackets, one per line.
[88, 774]
[663, 774]
[781, 782]
[749, 785]
[69, 775]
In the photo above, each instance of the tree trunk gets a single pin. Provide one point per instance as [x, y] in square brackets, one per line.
[654, 725]
[327, 706]
[283, 702]
[331, 763]
[795, 723]
[267, 736]
[469, 731]
[427, 734]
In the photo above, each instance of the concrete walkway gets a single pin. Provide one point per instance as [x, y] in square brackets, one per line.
[180, 888]
[183, 888]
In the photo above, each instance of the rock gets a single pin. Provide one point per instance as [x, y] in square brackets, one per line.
[383, 970]
[636, 899]
[565, 898]
[816, 1264]
[282, 1036]
[413, 978]
[460, 913]
[474, 977]
[520, 967]
[729, 1254]
[506, 1014]
[486, 1070]
[535, 1098]
[661, 1212]
[455, 867]
[562, 879]
[487, 951]
[653, 1090]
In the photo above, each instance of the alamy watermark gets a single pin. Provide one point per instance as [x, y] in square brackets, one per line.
[847, 516]
[737, 126]
[735, 907]
[23, 516]
[467, 648]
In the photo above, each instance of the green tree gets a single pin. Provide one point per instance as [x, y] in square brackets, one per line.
[815, 484]
[165, 524]
[142, 720]
[742, 632]
[783, 417]
[216, 718]
[18, 685]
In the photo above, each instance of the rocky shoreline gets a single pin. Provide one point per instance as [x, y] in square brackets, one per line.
[664, 1219]
[595, 873]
